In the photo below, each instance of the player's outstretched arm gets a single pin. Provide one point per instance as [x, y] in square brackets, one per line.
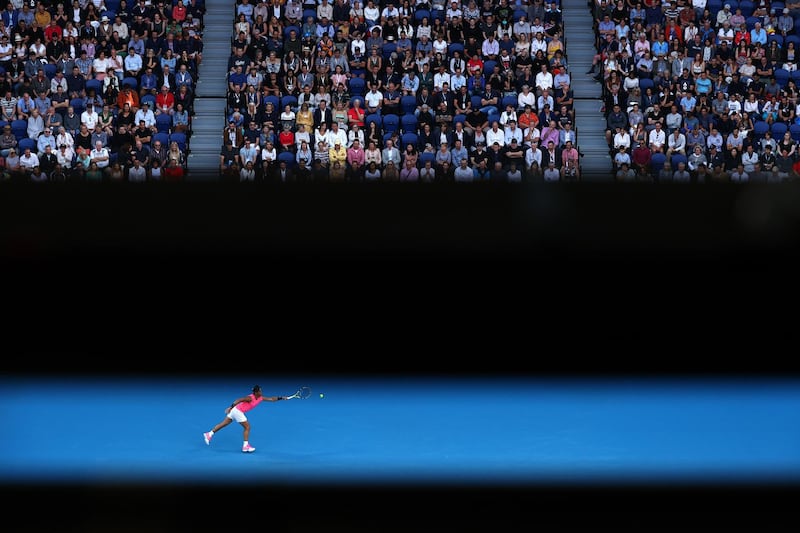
[274, 398]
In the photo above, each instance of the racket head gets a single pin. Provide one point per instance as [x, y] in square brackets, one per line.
[303, 392]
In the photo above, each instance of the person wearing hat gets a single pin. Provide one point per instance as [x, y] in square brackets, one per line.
[724, 15]
[146, 114]
[45, 139]
[337, 153]
[785, 23]
[8, 141]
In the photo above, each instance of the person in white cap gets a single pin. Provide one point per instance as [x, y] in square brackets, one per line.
[724, 15]
[785, 23]
[105, 29]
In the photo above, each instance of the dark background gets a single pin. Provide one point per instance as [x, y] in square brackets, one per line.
[209, 280]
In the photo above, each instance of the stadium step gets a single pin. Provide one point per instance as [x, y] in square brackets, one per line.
[209, 119]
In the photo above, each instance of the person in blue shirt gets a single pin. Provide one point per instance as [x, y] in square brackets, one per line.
[758, 35]
[703, 84]
[660, 48]
[237, 77]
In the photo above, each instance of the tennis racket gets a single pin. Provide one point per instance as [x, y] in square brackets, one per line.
[302, 393]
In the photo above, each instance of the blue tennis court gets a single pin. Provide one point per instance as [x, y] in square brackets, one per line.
[409, 430]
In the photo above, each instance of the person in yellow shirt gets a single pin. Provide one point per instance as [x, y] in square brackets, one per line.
[42, 16]
[337, 154]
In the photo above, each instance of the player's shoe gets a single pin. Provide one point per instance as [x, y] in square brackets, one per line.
[248, 449]
[207, 437]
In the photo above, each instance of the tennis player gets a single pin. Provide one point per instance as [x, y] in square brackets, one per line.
[237, 412]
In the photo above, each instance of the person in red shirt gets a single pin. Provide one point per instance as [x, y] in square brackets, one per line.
[173, 171]
[286, 138]
[673, 31]
[128, 96]
[52, 29]
[356, 114]
[179, 12]
[475, 64]
[528, 118]
[165, 101]
[641, 159]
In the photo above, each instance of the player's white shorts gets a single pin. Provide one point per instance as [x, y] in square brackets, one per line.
[237, 415]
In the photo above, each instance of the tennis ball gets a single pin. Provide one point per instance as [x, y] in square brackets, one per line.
[321, 395]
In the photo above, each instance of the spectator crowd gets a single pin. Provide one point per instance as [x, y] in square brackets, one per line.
[98, 90]
[699, 90]
[398, 90]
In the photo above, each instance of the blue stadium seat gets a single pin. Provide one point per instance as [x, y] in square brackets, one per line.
[161, 137]
[97, 85]
[409, 138]
[409, 123]
[288, 157]
[163, 122]
[180, 138]
[509, 101]
[130, 80]
[288, 29]
[289, 100]
[759, 129]
[476, 101]
[778, 129]
[357, 86]
[309, 13]
[657, 161]
[77, 105]
[794, 129]
[676, 159]
[424, 157]
[19, 128]
[459, 118]
[391, 123]
[272, 99]
[746, 6]
[408, 104]
[421, 14]
[375, 117]
[781, 76]
[455, 47]
[27, 143]
[775, 37]
[644, 83]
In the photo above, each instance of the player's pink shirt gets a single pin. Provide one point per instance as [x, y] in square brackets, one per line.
[246, 406]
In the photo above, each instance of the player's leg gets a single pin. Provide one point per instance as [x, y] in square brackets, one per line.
[246, 444]
[225, 421]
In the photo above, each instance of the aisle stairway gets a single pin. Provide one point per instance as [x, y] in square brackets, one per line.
[589, 121]
[209, 119]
